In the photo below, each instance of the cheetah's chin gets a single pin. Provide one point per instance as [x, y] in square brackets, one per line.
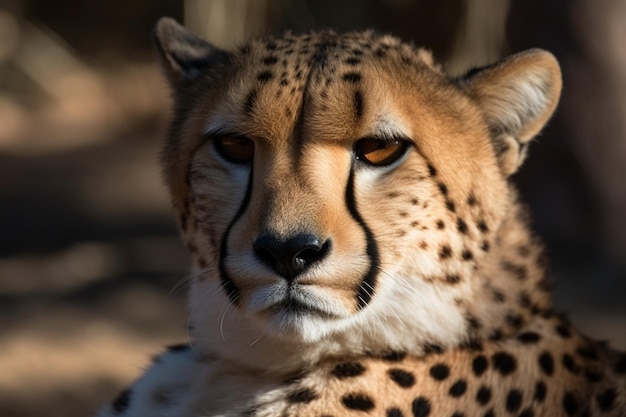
[295, 311]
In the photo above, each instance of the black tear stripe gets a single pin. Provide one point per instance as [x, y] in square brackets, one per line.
[227, 283]
[366, 289]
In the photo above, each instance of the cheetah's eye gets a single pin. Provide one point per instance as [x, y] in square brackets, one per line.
[236, 149]
[380, 152]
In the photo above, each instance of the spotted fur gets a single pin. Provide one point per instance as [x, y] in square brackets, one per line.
[324, 285]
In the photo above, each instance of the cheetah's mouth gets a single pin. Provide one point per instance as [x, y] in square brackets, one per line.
[296, 303]
[293, 307]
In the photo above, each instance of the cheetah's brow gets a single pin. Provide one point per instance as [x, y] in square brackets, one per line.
[216, 127]
[389, 128]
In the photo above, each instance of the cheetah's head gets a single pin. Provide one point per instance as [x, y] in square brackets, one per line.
[341, 188]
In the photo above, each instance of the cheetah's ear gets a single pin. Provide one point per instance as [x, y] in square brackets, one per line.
[184, 56]
[517, 96]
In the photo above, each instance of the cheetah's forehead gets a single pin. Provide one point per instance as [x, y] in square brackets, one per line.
[317, 79]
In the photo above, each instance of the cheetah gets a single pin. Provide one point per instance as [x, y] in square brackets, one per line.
[358, 248]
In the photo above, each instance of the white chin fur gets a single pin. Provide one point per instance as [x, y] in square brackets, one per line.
[404, 315]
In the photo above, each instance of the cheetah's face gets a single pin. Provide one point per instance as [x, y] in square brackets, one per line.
[332, 184]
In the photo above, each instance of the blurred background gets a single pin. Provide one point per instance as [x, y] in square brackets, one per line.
[91, 269]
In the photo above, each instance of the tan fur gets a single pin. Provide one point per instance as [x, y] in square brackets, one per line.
[431, 297]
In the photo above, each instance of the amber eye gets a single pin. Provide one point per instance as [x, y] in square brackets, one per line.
[379, 152]
[237, 149]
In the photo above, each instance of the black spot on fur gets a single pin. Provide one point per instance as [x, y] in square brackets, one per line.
[358, 105]
[473, 344]
[540, 391]
[513, 400]
[348, 370]
[546, 363]
[439, 371]
[570, 404]
[461, 226]
[458, 388]
[479, 365]
[353, 61]
[450, 206]
[504, 362]
[563, 331]
[496, 335]
[524, 299]
[440, 224]
[442, 188]
[523, 251]
[394, 412]
[402, 378]
[514, 320]
[445, 252]
[467, 255]
[473, 322]
[357, 401]
[121, 403]
[471, 200]
[303, 396]
[431, 170]
[453, 279]
[498, 296]
[420, 407]
[593, 375]
[485, 246]
[570, 364]
[606, 399]
[270, 60]
[519, 271]
[482, 226]
[264, 76]
[483, 396]
[353, 77]
[587, 352]
[528, 337]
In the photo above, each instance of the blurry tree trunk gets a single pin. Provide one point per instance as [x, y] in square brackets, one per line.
[226, 23]
[480, 37]
[596, 109]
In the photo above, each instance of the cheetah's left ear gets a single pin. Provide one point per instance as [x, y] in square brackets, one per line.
[517, 96]
[185, 57]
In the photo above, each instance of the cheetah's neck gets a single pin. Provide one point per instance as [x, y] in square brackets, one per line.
[512, 285]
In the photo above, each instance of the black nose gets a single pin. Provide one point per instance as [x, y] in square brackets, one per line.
[292, 256]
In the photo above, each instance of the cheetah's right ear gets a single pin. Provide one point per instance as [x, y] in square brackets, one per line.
[517, 96]
[184, 56]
